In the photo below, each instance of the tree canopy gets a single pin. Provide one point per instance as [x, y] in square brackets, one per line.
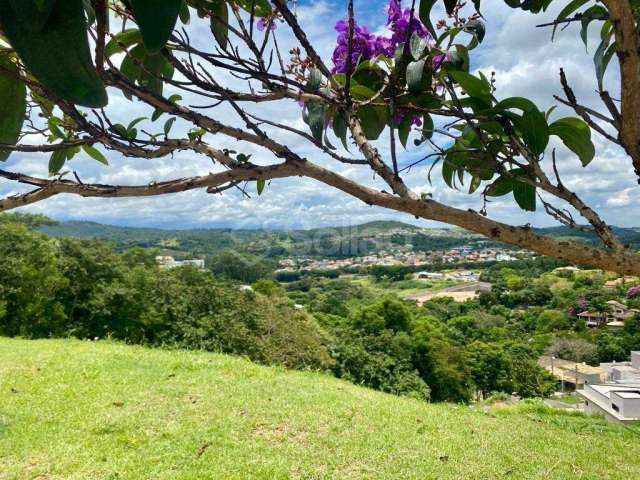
[62, 63]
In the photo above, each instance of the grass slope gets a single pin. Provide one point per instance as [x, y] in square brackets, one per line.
[81, 410]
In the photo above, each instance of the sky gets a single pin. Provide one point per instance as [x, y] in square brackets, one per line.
[525, 61]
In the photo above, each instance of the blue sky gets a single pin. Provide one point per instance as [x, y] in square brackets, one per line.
[526, 63]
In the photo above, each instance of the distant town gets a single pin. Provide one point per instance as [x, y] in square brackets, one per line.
[404, 257]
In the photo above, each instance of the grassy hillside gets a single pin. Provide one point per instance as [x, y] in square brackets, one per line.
[80, 410]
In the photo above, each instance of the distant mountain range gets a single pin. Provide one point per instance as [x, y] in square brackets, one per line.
[329, 242]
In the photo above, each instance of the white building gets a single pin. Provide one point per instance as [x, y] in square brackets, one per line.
[170, 262]
[618, 402]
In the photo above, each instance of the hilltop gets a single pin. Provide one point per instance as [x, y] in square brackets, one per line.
[336, 241]
[99, 410]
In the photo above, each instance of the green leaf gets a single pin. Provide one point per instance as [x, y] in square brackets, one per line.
[120, 130]
[57, 161]
[415, 74]
[373, 120]
[473, 86]
[89, 11]
[475, 183]
[168, 124]
[340, 128]
[601, 59]
[260, 184]
[185, 15]
[135, 122]
[315, 79]
[13, 103]
[502, 186]
[58, 55]
[360, 92]
[520, 103]
[458, 59]
[475, 28]
[220, 23]
[52, 124]
[95, 154]
[450, 5]
[595, 12]
[260, 8]
[576, 136]
[156, 20]
[158, 113]
[425, 15]
[427, 126]
[417, 46]
[566, 11]
[122, 40]
[535, 131]
[525, 195]
[404, 129]
[313, 116]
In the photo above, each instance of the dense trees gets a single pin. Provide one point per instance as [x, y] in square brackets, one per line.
[443, 351]
[66, 287]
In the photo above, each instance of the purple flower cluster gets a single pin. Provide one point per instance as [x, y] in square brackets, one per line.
[403, 25]
[633, 292]
[367, 46]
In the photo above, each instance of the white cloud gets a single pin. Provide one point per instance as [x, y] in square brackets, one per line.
[526, 63]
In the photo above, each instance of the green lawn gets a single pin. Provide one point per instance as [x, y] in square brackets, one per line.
[81, 410]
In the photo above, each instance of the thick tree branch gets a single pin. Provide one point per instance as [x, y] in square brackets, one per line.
[619, 261]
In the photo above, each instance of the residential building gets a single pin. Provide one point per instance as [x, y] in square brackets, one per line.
[166, 261]
[614, 318]
[618, 402]
[620, 282]
[621, 372]
[576, 374]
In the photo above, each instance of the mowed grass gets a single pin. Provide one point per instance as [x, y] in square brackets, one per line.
[83, 410]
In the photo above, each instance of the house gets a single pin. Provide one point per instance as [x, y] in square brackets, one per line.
[566, 270]
[577, 374]
[617, 402]
[593, 319]
[614, 318]
[620, 372]
[170, 262]
[620, 282]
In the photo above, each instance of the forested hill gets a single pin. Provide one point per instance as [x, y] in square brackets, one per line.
[329, 241]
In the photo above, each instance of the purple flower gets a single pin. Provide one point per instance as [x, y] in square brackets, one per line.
[403, 25]
[264, 22]
[364, 46]
[367, 46]
[633, 292]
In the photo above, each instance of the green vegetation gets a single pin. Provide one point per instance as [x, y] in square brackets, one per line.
[402, 288]
[67, 287]
[359, 328]
[336, 242]
[99, 410]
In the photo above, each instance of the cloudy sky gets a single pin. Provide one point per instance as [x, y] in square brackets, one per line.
[526, 63]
